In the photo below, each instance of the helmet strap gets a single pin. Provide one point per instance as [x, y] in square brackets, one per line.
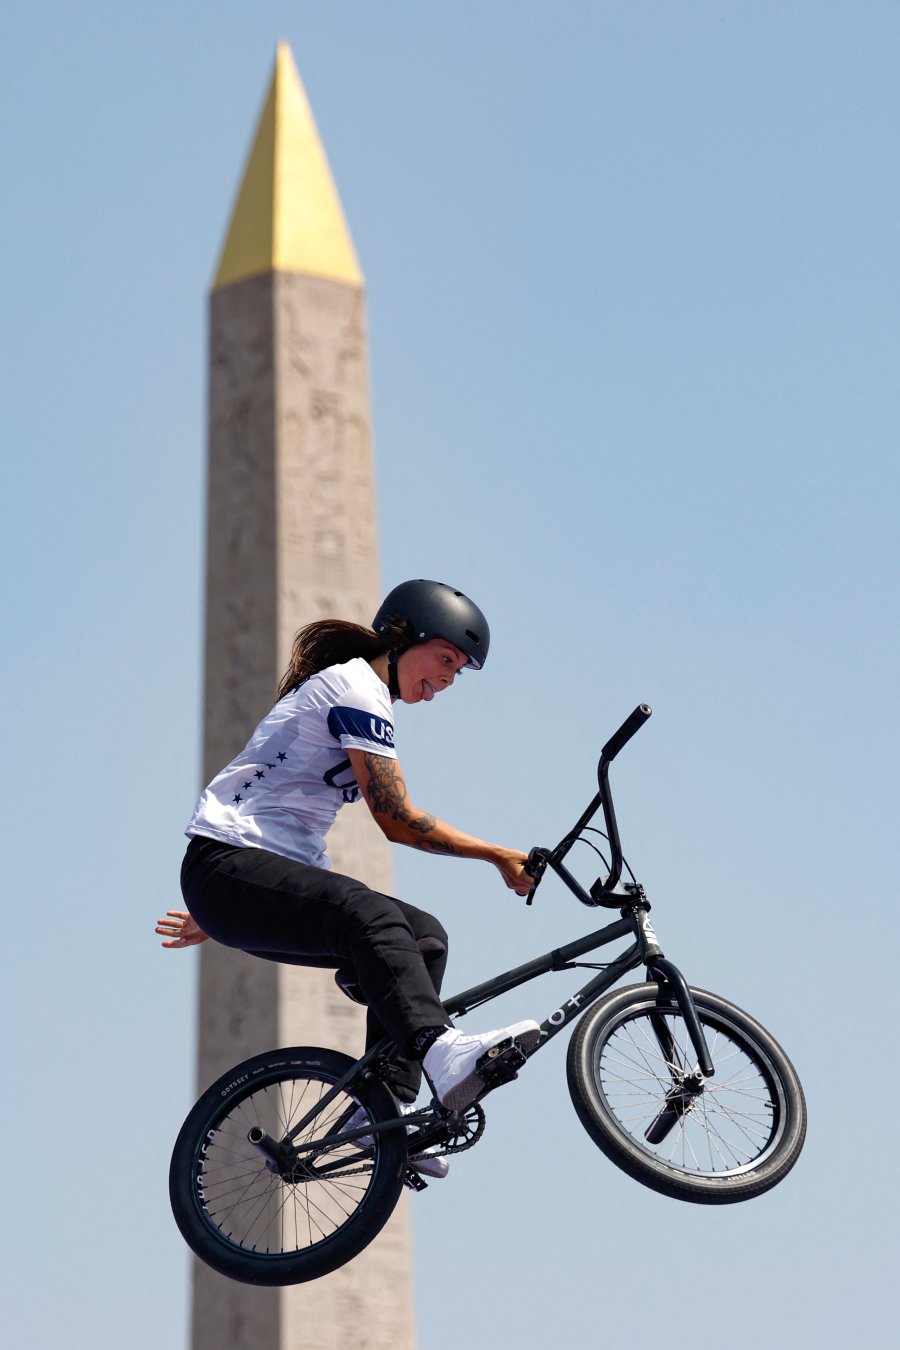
[393, 681]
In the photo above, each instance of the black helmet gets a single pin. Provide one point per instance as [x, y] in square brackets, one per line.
[436, 610]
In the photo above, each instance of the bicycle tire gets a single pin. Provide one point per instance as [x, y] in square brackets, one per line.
[741, 1132]
[254, 1225]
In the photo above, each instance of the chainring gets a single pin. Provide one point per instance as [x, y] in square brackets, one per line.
[450, 1136]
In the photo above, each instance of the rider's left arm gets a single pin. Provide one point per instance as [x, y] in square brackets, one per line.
[382, 783]
[180, 929]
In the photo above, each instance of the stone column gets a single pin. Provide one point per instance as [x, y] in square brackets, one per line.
[291, 537]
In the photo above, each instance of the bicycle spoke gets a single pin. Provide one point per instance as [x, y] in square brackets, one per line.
[253, 1206]
[720, 1129]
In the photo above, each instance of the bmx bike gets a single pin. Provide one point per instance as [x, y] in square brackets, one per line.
[292, 1162]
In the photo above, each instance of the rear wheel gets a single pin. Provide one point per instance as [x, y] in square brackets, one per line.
[635, 1083]
[259, 1211]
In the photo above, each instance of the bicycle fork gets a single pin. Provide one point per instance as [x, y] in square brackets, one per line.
[686, 1087]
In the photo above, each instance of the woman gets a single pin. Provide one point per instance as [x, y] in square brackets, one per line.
[256, 876]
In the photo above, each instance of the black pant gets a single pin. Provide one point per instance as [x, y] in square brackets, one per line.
[281, 910]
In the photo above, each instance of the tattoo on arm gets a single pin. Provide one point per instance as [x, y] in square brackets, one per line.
[386, 794]
[434, 846]
[386, 789]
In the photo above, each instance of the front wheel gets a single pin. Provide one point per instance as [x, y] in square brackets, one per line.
[263, 1202]
[635, 1083]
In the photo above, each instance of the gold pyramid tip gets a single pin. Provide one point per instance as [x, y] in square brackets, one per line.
[288, 215]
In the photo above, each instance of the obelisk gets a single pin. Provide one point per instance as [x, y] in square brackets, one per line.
[290, 538]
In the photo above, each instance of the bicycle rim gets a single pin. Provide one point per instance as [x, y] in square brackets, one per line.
[246, 1205]
[730, 1128]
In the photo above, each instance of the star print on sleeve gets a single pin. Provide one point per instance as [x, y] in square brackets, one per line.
[260, 774]
[281, 755]
[237, 798]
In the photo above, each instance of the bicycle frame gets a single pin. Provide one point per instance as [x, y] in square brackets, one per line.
[628, 897]
[644, 950]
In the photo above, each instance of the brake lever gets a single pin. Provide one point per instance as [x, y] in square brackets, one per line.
[535, 867]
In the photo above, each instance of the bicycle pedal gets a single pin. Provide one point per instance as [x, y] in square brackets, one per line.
[501, 1064]
[414, 1181]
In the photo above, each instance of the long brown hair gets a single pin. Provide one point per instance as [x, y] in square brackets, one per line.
[331, 642]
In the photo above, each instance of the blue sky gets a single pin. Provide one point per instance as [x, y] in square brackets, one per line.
[633, 294]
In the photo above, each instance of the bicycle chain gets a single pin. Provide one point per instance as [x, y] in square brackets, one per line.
[467, 1130]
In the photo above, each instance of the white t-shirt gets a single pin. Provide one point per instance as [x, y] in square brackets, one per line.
[283, 791]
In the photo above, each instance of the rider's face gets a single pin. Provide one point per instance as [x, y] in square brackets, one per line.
[427, 669]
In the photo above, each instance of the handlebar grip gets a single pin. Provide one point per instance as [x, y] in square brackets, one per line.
[534, 867]
[626, 731]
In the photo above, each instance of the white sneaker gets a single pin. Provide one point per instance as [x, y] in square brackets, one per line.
[428, 1164]
[450, 1063]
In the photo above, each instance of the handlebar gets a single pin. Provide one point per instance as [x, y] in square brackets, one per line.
[621, 737]
[539, 859]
